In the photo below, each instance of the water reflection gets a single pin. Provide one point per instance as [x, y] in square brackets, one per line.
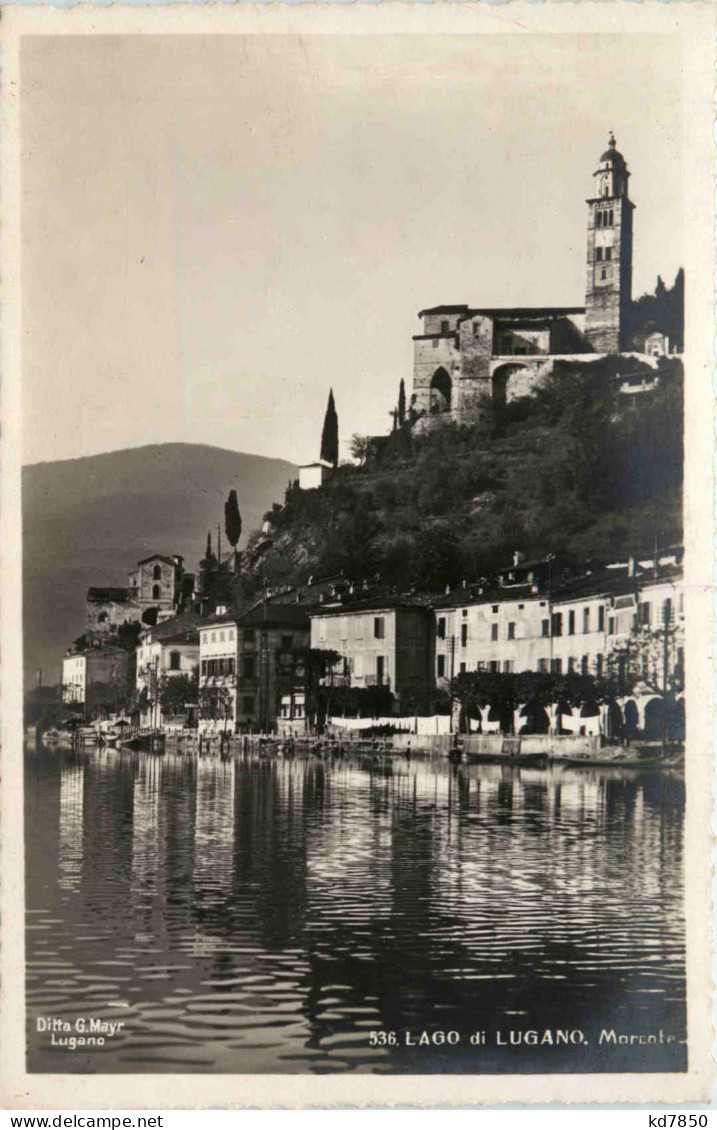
[269, 915]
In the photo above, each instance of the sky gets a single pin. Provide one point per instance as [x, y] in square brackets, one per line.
[218, 229]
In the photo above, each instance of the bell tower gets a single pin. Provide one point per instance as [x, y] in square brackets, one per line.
[609, 263]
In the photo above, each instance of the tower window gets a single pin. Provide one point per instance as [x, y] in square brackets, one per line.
[598, 220]
[598, 254]
[608, 252]
[603, 273]
[610, 221]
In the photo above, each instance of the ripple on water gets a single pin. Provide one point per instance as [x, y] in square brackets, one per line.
[266, 916]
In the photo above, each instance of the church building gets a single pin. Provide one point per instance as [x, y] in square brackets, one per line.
[466, 354]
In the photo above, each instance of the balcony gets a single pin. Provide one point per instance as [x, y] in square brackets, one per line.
[374, 681]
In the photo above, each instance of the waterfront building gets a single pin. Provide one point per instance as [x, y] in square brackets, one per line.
[95, 667]
[380, 644]
[620, 620]
[248, 662]
[165, 651]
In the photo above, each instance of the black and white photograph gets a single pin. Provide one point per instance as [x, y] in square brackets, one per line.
[358, 560]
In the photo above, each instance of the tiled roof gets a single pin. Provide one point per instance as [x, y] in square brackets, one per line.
[444, 310]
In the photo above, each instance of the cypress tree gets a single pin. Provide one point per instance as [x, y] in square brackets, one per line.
[330, 433]
[401, 403]
[232, 519]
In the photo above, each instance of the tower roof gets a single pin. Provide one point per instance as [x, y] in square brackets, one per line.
[612, 153]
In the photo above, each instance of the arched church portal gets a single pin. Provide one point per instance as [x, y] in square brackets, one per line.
[441, 391]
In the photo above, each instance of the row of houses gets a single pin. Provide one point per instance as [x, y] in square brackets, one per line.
[551, 615]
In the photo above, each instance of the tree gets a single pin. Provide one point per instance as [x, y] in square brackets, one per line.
[232, 523]
[359, 447]
[318, 664]
[330, 433]
[215, 703]
[401, 403]
[176, 692]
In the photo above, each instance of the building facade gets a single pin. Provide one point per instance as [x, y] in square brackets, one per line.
[466, 355]
[157, 586]
[624, 622]
[247, 664]
[382, 645]
[165, 651]
[101, 667]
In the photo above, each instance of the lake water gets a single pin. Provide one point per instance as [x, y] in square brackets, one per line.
[278, 916]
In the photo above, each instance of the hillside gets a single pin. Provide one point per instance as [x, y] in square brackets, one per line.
[580, 468]
[87, 521]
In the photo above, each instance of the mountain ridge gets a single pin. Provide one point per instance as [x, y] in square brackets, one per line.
[89, 519]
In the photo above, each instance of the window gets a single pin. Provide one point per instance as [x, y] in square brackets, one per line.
[286, 642]
[507, 666]
[511, 630]
[610, 217]
[221, 637]
[230, 666]
[601, 618]
[247, 704]
[586, 621]
[248, 666]
[464, 635]
[156, 573]
[434, 343]
[493, 666]
[174, 660]
[445, 328]
[463, 668]
[440, 666]
[598, 220]
[571, 622]
[667, 611]
[608, 253]
[494, 632]
[603, 273]
[464, 612]
[441, 628]
[598, 666]
[556, 666]
[585, 665]
[543, 666]
[521, 607]
[476, 329]
[494, 609]
[571, 665]
[204, 667]
[378, 627]
[545, 628]
[480, 665]
[156, 592]
[230, 635]
[611, 625]
[598, 254]
[557, 628]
